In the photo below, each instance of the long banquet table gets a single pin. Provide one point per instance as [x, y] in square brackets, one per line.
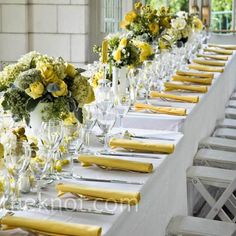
[164, 193]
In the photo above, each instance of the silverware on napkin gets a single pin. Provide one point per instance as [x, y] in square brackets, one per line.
[131, 154]
[117, 181]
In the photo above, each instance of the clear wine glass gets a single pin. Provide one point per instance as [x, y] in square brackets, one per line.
[5, 189]
[17, 158]
[104, 96]
[51, 136]
[89, 121]
[122, 106]
[40, 169]
[106, 121]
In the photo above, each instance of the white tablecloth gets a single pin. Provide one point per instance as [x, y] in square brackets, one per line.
[164, 193]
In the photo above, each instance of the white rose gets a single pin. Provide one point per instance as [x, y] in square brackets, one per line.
[182, 14]
[178, 23]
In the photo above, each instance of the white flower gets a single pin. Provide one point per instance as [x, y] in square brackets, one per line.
[182, 14]
[8, 139]
[123, 51]
[178, 23]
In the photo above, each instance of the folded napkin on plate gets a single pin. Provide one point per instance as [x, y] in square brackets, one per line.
[191, 99]
[163, 110]
[209, 62]
[102, 194]
[192, 88]
[143, 146]
[49, 227]
[219, 51]
[115, 163]
[196, 74]
[206, 68]
[224, 46]
[190, 79]
[215, 57]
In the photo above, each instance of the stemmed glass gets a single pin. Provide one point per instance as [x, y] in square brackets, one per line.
[104, 96]
[51, 135]
[40, 170]
[89, 121]
[106, 121]
[122, 105]
[17, 158]
[4, 189]
[133, 81]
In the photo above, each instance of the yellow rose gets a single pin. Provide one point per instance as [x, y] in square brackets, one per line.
[35, 90]
[165, 22]
[71, 71]
[138, 5]
[130, 16]
[197, 24]
[123, 24]
[97, 76]
[142, 57]
[47, 72]
[117, 55]
[154, 28]
[123, 43]
[62, 89]
[70, 119]
[146, 49]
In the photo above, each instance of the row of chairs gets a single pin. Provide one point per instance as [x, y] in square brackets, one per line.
[214, 177]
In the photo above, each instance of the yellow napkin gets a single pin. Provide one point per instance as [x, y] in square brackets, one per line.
[49, 226]
[164, 110]
[192, 88]
[225, 46]
[192, 99]
[216, 57]
[206, 68]
[190, 79]
[102, 194]
[142, 146]
[219, 51]
[196, 74]
[209, 62]
[115, 163]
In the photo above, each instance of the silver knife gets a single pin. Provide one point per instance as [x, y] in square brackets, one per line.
[130, 154]
[107, 180]
[81, 210]
[154, 138]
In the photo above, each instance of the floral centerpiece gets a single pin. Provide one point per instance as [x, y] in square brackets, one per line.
[39, 79]
[146, 23]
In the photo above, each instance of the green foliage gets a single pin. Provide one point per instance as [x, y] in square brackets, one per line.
[16, 101]
[175, 5]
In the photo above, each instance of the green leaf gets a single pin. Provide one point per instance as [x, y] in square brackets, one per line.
[79, 115]
[31, 104]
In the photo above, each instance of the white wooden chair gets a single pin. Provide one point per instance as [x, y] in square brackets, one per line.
[203, 177]
[226, 123]
[230, 113]
[216, 158]
[232, 104]
[225, 133]
[194, 226]
[218, 144]
[233, 97]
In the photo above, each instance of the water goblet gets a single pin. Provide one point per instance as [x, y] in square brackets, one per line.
[106, 121]
[17, 158]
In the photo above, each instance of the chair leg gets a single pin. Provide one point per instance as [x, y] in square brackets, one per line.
[221, 201]
[210, 200]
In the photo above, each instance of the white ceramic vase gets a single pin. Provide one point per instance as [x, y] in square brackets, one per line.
[119, 80]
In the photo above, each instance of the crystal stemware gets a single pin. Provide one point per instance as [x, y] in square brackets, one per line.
[51, 136]
[122, 105]
[17, 158]
[5, 189]
[89, 121]
[106, 121]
